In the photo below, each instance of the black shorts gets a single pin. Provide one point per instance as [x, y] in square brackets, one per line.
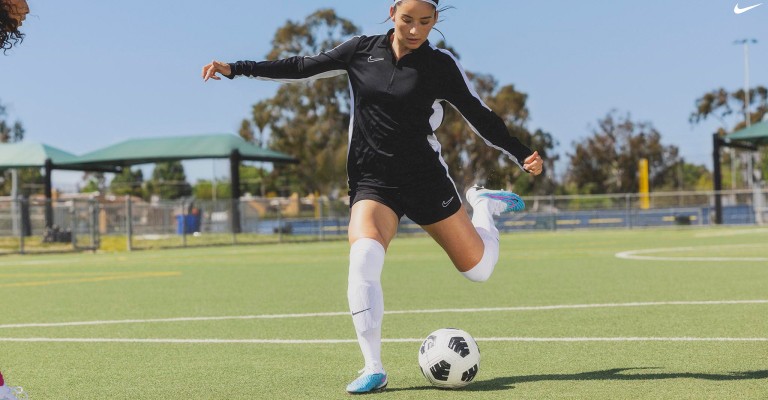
[424, 204]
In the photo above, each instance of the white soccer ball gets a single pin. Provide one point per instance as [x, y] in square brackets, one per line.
[449, 358]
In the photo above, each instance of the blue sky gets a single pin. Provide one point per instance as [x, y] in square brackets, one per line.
[94, 73]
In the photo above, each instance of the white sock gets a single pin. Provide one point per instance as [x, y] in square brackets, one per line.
[482, 219]
[483, 270]
[366, 299]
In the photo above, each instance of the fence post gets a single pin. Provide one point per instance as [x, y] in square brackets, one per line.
[552, 213]
[73, 224]
[183, 224]
[628, 205]
[23, 229]
[94, 211]
[235, 214]
[757, 206]
[129, 222]
[320, 216]
[15, 207]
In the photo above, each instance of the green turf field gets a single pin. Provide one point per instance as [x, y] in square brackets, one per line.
[683, 314]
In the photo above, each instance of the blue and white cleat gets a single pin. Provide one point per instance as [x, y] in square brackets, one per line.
[12, 393]
[500, 201]
[368, 383]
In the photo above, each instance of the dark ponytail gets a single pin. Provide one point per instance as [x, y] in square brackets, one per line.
[9, 28]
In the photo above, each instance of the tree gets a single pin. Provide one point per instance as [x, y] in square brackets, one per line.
[30, 179]
[169, 181]
[203, 189]
[693, 177]
[247, 133]
[309, 121]
[470, 160]
[728, 108]
[246, 130]
[94, 182]
[9, 133]
[730, 111]
[128, 182]
[607, 161]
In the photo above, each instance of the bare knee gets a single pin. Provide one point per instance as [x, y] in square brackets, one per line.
[483, 269]
[467, 260]
[376, 237]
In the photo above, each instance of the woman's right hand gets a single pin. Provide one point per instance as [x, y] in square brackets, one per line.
[210, 70]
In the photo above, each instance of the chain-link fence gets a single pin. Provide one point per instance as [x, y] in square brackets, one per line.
[127, 223]
[23, 226]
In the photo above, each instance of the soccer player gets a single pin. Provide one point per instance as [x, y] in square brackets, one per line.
[12, 15]
[398, 84]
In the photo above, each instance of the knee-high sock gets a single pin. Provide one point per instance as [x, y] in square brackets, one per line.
[366, 299]
[482, 219]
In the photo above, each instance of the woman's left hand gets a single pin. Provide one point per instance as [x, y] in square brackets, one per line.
[210, 70]
[534, 163]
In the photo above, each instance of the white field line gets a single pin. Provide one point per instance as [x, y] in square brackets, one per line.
[354, 341]
[346, 313]
[731, 233]
[639, 254]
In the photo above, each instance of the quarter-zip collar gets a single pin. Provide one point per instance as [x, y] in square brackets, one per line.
[387, 43]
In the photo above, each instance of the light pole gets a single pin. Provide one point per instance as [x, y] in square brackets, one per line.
[745, 43]
[751, 159]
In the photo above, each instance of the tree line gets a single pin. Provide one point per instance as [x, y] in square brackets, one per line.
[310, 122]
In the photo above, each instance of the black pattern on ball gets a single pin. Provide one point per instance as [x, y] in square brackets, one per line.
[469, 374]
[459, 345]
[440, 370]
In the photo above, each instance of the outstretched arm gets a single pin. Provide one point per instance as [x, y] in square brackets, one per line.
[484, 122]
[292, 69]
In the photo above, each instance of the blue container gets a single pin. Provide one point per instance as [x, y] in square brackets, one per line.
[189, 223]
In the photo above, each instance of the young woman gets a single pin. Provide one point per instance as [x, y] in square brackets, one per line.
[12, 15]
[398, 83]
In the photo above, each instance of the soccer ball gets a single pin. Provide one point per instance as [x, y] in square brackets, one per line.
[449, 358]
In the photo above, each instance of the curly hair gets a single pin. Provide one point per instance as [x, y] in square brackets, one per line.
[9, 28]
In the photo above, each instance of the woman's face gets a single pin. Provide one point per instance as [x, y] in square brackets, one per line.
[413, 19]
[18, 8]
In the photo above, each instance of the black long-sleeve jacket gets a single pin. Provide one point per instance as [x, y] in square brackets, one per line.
[396, 107]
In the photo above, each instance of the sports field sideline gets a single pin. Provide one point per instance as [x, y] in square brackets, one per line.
[614, 314]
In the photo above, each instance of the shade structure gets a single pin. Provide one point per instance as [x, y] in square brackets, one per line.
[756, 134]
[177, 148]
[749, 138]
[38, 155]
[152, 150]
[31, 155]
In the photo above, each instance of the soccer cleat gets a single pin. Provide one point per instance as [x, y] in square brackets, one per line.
[500, 201]
[368, 383]
[12, 393]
